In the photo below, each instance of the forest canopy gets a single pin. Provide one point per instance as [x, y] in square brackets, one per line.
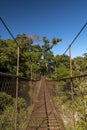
[36, 59]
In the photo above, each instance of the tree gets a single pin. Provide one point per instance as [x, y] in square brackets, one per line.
[25, 42]
[46, 53]
[8, 53]
[61, 66]
[78, 65]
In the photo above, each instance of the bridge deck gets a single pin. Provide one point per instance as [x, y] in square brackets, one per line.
[44, 115]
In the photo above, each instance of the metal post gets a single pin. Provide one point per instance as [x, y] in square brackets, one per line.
[17, 81]
[72, 92]
[70, 61]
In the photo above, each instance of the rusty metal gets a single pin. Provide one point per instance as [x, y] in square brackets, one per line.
[8, 83]
[71, 77]
[70, 61]
[44, 115]
[72, 92]
[17, 85]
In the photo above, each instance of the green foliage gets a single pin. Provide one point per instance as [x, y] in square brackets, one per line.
[7, 118]
[61, 66]
[8, 56]
[7, 115]
[35, 60]
[61, 71]
[81, 105]
[62, 98]
[5, 100]
[6, 111]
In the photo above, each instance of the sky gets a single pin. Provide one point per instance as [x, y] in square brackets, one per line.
[50, 18]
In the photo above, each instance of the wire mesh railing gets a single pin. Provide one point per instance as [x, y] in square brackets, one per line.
[8, 83]
[44, 115]
[68, 94]
[8, 102]
[70, 99]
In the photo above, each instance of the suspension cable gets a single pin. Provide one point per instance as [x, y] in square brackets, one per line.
[9, 31]
[75, 38]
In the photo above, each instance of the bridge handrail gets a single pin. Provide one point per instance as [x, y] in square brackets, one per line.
[13, 75]
[69, 77]
[73, 77]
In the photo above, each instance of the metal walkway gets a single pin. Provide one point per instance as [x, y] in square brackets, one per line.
[44, 115]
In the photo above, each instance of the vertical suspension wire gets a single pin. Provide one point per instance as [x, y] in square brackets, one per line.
[17, 73]
[72, 91]
[17, 84]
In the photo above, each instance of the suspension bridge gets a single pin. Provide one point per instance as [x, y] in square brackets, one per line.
[44, 114]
